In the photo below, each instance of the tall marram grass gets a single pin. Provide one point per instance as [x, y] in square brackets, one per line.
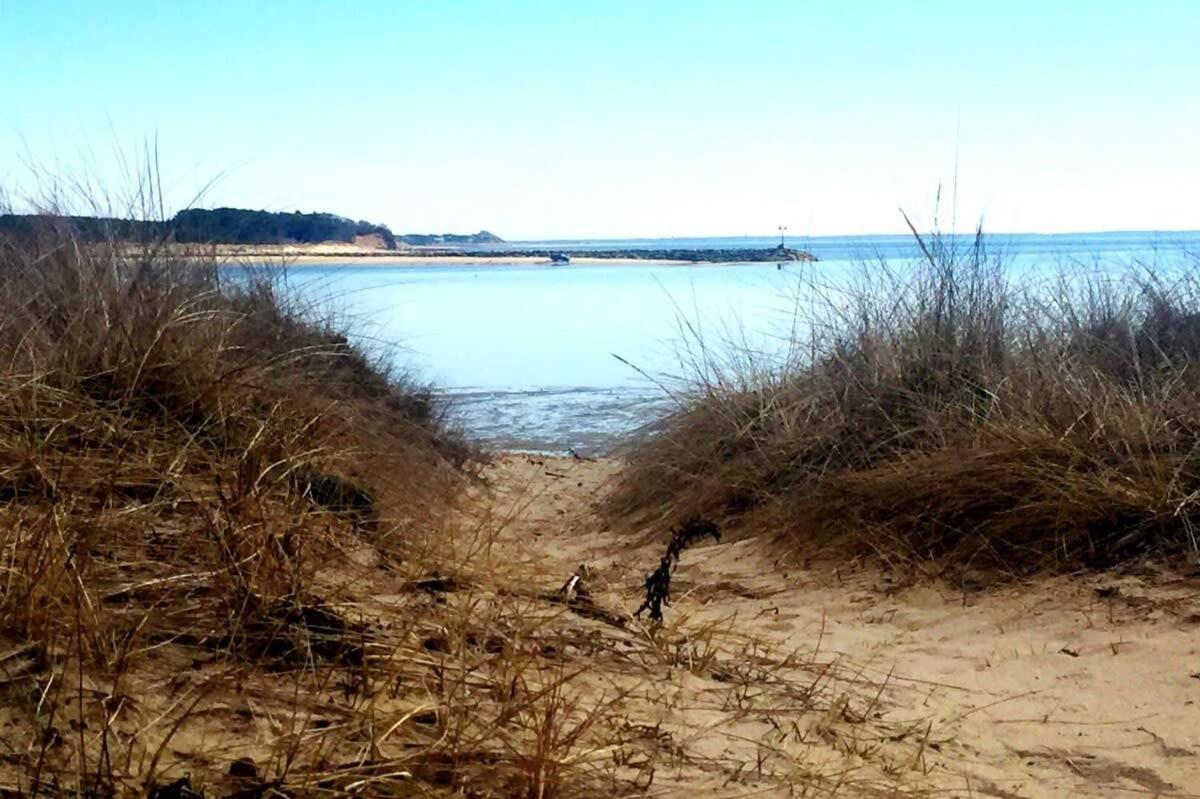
[953, 411]
[182, 458]
[239, 558]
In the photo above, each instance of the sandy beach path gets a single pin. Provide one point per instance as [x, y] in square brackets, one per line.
[770, 679]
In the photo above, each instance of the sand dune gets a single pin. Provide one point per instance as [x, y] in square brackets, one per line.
[1067, 686]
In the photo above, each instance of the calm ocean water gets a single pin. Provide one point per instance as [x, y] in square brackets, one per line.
[550, 358]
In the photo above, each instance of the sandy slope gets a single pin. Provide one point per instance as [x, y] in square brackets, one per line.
[766, 679]
[841, 682]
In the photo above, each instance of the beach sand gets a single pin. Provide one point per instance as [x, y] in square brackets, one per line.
[767, 677]
[1051, 687]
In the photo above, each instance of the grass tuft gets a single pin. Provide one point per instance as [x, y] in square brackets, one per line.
[954, 410]
[188, 457]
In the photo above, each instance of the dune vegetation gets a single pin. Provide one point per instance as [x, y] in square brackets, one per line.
[185, 460]
[956, 413]
[227, 551]
[242, 556]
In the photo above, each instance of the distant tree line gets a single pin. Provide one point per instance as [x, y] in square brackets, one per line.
[429, 239]
[240, 226]
[87, 228]
[215, 226]
[232, 226]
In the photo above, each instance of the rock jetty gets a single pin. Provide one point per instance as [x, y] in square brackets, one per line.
[697, 255]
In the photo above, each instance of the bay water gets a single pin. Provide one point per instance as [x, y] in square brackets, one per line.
[551, 358]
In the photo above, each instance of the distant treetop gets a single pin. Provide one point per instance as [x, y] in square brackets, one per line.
[241, 226]
[425, 239]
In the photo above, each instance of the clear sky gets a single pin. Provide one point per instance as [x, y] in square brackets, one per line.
[620, 118]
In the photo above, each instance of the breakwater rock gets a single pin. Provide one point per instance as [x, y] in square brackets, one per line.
[698, 255]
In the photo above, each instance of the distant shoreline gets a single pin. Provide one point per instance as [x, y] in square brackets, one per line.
[360, 259]
[325, 254]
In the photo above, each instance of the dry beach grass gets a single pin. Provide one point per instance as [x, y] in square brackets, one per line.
[948, 414]
[241, 559]
[182, 462]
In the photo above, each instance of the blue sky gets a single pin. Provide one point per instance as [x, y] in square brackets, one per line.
[614, 118]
